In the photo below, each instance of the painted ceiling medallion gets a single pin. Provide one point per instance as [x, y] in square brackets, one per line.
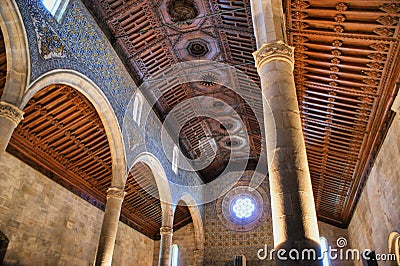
[182, 10]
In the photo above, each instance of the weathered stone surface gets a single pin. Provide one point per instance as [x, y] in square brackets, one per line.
[48, 225]
[378, 213]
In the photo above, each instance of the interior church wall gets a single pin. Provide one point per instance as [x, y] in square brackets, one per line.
[377, 213]
[49, 225]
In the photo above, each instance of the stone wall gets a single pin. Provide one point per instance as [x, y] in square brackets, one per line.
[185, 240]
[377, 212]
[48, 225]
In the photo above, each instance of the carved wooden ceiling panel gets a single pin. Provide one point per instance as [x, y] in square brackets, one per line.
[154, 34]
[62, 136]
[347, 64]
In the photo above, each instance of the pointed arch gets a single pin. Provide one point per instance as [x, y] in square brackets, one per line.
[104, 109]
[197, 224]
[17, 52]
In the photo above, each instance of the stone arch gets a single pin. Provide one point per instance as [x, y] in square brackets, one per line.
[104, 109]
[198, 226]
[17, 52]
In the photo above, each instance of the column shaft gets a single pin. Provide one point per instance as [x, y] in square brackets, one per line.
[165, 246]
[105, 250]
[293, 209]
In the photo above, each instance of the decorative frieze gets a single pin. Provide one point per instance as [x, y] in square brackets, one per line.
[379, 47]
[300, 4]
[387, 20]
[390, 8]
[274, 51]
[384, 32]
[11, 112]
[115, 193]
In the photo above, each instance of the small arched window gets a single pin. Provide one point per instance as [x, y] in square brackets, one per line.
[175, 159]
[174, 255]
[137, 108]
[324, 251]
[56, 7]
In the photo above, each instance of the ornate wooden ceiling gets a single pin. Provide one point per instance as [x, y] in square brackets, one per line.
[154, 34]
[347, 63]
[62, 136]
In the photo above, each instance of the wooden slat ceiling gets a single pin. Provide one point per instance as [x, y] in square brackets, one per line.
[347, 64]
[62, 136]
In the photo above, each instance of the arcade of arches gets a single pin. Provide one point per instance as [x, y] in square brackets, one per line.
[199, 132]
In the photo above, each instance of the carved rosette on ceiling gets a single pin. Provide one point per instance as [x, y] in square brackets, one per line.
[11, 112]
[182, 10]
[274, 51]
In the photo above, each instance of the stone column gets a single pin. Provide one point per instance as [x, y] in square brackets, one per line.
[293, 209]
[165, 246]
[10, 116]
[105, 249]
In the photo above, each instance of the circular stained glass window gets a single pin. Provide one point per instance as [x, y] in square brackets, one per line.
[243, 207]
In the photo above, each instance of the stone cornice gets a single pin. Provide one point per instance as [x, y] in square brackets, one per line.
[274, 51]
[11, 112]
[115, 193]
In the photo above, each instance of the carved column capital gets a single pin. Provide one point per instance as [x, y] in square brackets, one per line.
[11, 112]
[274, 51]
[166, 230]
[115, 193]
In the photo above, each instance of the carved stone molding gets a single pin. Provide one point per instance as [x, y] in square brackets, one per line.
[115, 193]
[165, 230]
[11, 112]
[274, 51]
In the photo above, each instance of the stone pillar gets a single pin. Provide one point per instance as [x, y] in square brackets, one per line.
[105, 249]
[293, 208]
[165, 246]
[10, 116]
